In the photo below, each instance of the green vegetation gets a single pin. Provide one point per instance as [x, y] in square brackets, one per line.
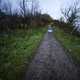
[70, 42]
[16, 51]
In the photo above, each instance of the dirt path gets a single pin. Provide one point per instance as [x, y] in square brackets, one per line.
[51, 62]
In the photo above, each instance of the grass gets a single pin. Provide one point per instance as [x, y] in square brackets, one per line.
[16, 51]
[70, 42]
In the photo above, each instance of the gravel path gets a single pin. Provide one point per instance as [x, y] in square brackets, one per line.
[51, 62]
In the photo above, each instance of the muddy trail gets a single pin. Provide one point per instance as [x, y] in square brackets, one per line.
[51, 62]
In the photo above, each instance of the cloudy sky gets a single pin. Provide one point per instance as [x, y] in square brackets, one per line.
[52, 7]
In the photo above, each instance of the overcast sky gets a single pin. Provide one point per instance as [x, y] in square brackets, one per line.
[52, 7]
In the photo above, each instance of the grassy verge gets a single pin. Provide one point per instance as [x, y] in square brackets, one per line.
[16, 51]
[70, 42]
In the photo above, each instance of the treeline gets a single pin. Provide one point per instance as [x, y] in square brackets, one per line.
[67, 28]
[70, 20]
[27, 14]
[63, 25]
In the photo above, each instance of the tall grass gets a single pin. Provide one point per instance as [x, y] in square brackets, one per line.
[70, 42]
[16, 51]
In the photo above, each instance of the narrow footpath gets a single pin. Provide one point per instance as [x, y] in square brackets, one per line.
[51, 62]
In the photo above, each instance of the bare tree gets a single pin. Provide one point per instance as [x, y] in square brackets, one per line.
[35, 8]
[0, 5]
[72, 14]
[23, 11]
[23, 7]
[7, 7]
[0, 2]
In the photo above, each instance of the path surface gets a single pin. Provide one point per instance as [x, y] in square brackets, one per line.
[51, 62]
